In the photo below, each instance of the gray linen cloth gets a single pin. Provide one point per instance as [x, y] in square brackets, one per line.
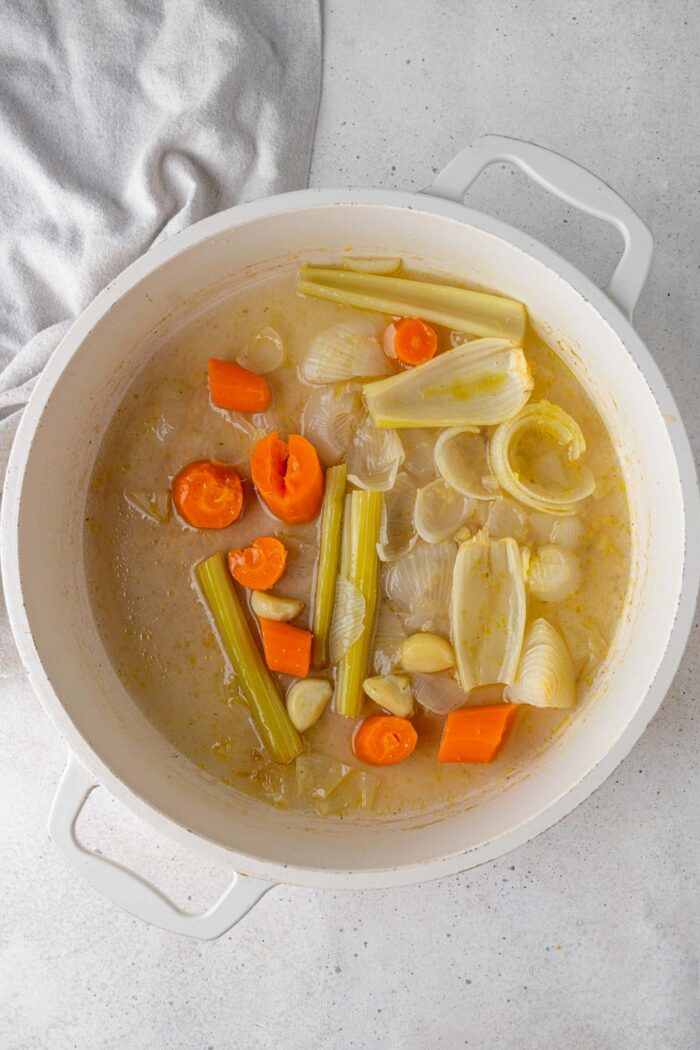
[120, 124]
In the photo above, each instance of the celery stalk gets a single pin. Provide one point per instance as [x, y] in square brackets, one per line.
[255, 681]
[329, 554]
[365, 519]
[458, 308]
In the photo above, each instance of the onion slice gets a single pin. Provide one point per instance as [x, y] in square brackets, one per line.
[546, 673]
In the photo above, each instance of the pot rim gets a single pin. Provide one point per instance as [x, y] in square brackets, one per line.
[216, 225]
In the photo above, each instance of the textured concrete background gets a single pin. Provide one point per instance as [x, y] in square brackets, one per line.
[586, 938]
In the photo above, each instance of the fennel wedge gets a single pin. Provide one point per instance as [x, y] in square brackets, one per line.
[463, 310]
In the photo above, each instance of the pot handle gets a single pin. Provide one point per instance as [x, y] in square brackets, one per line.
[573, 184]
[125, 887]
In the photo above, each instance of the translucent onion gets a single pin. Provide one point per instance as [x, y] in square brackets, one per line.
[550, 528]
[347, 350]
[419, 446]
[440, 510]
[546, 673]
[461, 457]
[388, 636]
[488, 610]
[330, 418]
[374, 458]
[154, 506]
[506, 518]
[398, 534]
[553, 573]
[554, 421]
[585, 642]
[438, 693]
[348, 619]
[481, 383]
[420, 584]
[264, 353]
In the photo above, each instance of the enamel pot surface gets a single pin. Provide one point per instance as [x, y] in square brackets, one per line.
[112, 744]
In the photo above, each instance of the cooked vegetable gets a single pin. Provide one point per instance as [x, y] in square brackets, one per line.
[328, 559]
[347, 350]
[234, 387]
[365, 519]
[542, 419]
[385, 265]
[397, 534]
[568, 532]
[388, 636]
[440, 510]
[307, 700]
[208, 495]
[287, 649]
[319, 775]
[425, 652]
[348, 619]
[476, 734]
[410, 341]
[419, 446]
[584, 640]
[553, 573]
[506, 518]
[331, 415]
[259, 566]
[288, 476]
[457, 308]
[480, 383]
[152, 505]
[265, 352]
[438, 693]
[546, 673]
[254, 680]
[384, 740]
[356, 791]
[484, 695]
[420, 584]
[392, 692]
[271, 607]
[461, 457]
[374, 457]
[488, 610]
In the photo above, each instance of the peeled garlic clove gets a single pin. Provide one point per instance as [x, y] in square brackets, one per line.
[426, 652]
[440, 510]
[461, 457]
[307, 700]
[264, 353]
[546, 672]
[271, 607]
[345, 351]
[554, 573]
[392, 692]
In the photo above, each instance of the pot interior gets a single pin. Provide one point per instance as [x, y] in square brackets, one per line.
[81, 689]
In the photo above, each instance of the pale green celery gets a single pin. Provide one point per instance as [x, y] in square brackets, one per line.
[329, 554]
[255, 681]
[365, 522]
[457, 308]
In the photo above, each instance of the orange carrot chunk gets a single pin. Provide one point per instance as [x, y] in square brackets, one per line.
[287, 649]
[288, 476]
[208, 495]
[259, 566]
[411, 341]
[476, 734]
[384, 740]
[234, 387]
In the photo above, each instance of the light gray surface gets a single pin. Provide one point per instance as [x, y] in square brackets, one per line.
[586, 938]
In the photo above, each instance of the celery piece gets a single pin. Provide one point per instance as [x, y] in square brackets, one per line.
[255, 681]
[365, 521]
[460, 309]
[329, 554]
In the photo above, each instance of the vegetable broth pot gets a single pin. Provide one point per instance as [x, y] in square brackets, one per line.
[357, 542]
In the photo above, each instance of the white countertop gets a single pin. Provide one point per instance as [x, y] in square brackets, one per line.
[585, 938]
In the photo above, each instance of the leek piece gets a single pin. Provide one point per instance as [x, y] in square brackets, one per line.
[479, 384]
[458, 308]
[329, 554]
[365, 522]
[256, 683]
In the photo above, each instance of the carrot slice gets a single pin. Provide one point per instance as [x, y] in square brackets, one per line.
[208, 495]
[476, 734]
[234, 387]
[288, 476]
[411, 341]
[259, 566]
[287, 649]
[384, 740]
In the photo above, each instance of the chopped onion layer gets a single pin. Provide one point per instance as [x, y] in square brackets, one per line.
[374, 458]
[347, 350]
[461, 457]
[546, 673]
[397, 533]
[440, 510]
